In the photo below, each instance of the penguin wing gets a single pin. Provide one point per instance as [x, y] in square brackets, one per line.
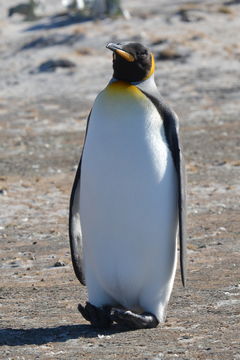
[75, 233]
[170, 121]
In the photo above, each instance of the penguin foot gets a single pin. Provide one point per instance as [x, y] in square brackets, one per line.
[132, 320]
[98, 317]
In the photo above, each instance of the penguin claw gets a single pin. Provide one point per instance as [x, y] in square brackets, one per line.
[132, 320]
[98, 317]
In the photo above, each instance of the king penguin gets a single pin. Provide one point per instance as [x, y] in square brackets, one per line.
[127, 206]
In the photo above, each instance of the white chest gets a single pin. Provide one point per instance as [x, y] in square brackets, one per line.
[126, 136]
[128, 199]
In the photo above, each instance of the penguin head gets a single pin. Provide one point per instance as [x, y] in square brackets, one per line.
[132, 62]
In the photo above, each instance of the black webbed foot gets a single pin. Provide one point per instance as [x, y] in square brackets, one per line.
[98, 317]
[132, 320]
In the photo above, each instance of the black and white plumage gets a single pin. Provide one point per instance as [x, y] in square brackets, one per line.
[128, 198]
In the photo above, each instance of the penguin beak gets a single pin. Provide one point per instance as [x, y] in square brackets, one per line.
[117, 48]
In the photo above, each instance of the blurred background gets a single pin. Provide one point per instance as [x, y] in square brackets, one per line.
[53, 64]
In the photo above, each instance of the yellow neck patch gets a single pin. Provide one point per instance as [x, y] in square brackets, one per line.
[123, 87]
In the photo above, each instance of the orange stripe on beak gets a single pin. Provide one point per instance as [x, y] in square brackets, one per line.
[125, 55]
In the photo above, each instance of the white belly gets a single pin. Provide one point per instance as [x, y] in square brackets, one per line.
[128, 204]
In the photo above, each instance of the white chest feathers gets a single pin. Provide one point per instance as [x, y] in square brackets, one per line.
[128, 202]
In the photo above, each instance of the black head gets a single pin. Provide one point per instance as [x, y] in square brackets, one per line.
[132, 62]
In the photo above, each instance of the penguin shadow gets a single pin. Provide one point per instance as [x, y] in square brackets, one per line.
[58, 21]
[63, 333]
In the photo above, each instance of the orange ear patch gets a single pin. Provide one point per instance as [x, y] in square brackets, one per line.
[152, 68]
[125, 55]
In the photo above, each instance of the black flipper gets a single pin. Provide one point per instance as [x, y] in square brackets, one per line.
[132, 320]
[170, 121]
[75, 234]
[98, 317]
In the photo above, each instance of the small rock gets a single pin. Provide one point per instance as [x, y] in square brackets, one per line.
[14, 264]
[191, 247]
[172, 53]
[159, 42]
[225, 10]
[52, 65]
[59, 263]
[222, 229]
[196, 37]
[188, 16]
[3, 192]
[221, 163]
[26, 9]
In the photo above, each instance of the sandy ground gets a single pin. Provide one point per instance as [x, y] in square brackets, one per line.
[43, 117]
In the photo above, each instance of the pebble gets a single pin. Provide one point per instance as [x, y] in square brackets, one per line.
[59, 263]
